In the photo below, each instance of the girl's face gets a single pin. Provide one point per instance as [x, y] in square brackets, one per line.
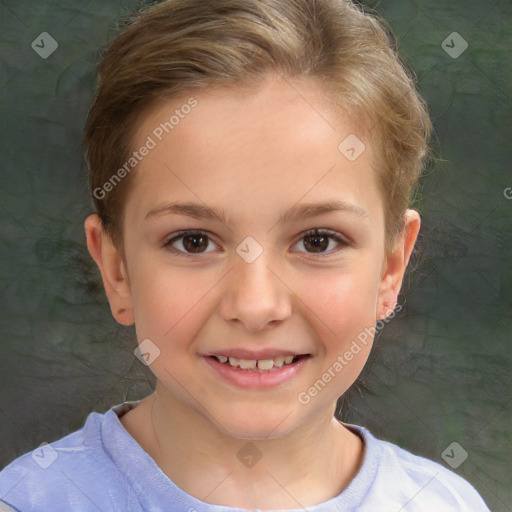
[255, 173]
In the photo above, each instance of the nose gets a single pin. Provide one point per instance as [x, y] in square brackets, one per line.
[255, 295]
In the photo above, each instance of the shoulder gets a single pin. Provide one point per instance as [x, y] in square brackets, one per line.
[72, 470]
[415, 483]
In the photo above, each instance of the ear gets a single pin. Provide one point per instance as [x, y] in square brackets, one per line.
[112, 268]
[396, 263]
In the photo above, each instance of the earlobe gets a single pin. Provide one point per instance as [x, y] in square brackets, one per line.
[396, 264]
[112, 269]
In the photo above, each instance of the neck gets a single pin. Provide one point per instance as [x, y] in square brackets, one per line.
[309, 465]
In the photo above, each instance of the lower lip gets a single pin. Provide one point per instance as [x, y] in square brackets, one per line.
[256, 379]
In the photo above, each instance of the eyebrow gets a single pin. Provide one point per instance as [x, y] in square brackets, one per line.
[315, 209]
[194, 210]
[202, 211]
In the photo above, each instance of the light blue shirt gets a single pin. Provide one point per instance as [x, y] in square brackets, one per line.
[102, 468]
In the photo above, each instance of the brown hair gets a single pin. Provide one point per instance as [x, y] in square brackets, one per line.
[178, 45]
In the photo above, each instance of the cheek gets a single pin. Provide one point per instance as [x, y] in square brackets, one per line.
[344, 300]
[167, 301]
[169, 307]
[342, 308]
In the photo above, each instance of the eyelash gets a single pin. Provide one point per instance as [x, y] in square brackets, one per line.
[341, 240]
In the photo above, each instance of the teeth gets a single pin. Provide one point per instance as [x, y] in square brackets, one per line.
[265, 364]
[251, 364]
[278, 361]
[247, 365]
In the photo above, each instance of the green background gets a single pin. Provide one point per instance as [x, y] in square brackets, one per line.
[440, 372]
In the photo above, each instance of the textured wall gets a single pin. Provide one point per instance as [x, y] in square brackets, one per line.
[440, 372]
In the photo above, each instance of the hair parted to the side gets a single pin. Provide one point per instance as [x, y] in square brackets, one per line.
[176, 46]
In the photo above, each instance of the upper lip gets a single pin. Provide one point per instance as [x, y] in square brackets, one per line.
[250, 355]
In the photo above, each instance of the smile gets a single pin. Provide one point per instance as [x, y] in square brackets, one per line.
[256, 373]
[260, 364]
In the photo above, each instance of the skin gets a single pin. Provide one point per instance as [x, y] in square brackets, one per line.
[254, 154]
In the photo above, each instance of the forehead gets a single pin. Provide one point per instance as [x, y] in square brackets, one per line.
[279, 141]
[223, 110]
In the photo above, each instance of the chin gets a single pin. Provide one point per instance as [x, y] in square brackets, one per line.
[257, 423]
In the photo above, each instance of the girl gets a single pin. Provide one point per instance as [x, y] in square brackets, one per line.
[251, 164]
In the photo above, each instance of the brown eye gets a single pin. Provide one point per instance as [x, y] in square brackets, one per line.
[188, 243]
[316, 243]
[322, 242]
[195, 243]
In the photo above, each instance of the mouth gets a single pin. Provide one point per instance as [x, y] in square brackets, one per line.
[260, 365]
[257, 374]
